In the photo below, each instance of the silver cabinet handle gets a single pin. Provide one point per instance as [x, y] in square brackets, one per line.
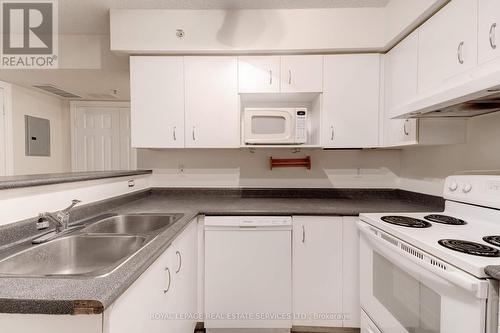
[169, 280]
[404, 127]
[194, 137]
[270, 77]
[289, 76]
[180, 262]
[303, 234]
[333, 133]
[175, 137]
[460, 53]
[492, 36]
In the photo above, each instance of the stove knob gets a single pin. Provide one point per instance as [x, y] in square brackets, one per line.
[467, 188]
[453, 186]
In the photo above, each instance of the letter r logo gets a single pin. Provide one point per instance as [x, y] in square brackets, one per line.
[27, 27]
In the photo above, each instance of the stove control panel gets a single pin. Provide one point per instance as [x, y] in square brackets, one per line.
[483, 190]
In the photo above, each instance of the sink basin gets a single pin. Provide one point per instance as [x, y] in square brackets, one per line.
[134, 224]
[81, 255]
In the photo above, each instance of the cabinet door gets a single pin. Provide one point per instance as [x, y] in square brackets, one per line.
[144, 305]
[351, 307]
[351, 101]
[489, 30]
[211, 95]
[185, 277]
[317, 270]
[447, 44]
[259, 74]
[157, 102]
[401, 73]
[302, 73]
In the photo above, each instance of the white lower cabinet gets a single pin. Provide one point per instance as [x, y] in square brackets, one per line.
[160, 299]
[325, 270]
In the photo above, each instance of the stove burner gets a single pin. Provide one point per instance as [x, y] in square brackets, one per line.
[493, 240]
[444, 219]
[405, 221]
[470, 247]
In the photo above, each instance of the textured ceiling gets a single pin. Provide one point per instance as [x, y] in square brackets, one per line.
[91, 16]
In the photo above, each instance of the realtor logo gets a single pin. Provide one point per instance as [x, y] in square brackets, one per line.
[29, 38]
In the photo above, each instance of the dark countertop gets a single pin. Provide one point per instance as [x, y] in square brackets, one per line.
[10, 182]
[77, 296]
[493, 271]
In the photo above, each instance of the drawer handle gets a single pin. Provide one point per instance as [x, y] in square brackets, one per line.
[404, 127]
[289, 76]
[460, 52]
[169, 280]
[333, 133]
[180, 262]
[175, 137]
[270, 77]
[194, 137]
[303, 234]
[492, 36]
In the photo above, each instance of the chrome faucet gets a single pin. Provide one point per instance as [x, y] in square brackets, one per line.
[60, 218]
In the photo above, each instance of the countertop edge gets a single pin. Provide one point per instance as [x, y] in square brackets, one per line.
[51, 179]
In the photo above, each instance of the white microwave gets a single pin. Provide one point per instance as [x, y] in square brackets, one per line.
[275, 126]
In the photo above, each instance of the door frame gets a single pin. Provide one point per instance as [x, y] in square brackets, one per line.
[9, 138]
[74, 105]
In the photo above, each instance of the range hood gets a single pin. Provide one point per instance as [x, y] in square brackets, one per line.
[477, 96]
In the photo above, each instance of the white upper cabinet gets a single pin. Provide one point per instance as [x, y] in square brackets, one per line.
[259, 74]
[447, 45]
[489, 34]
[301, 73]
[401, 72]
[212, 107]
[351, 101]
[157, 102]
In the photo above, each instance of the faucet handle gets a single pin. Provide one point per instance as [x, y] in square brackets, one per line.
[74, 202]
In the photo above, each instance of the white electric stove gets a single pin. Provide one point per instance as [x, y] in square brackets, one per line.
[424, 272]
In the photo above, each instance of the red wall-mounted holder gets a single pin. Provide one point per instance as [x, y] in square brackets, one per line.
[290, 162]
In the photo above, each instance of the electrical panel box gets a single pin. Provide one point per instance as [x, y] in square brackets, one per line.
[37, 136]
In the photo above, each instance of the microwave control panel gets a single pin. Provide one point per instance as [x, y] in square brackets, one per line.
[301, 126]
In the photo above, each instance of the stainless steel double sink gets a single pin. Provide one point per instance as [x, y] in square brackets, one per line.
[94, 250]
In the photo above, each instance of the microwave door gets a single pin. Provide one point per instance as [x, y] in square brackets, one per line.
[272, 127]
[402, 296]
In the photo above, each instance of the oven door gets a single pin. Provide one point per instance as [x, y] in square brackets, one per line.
[269, 126]
[404, 290]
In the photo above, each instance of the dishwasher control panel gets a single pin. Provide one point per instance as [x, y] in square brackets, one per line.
[248, 221]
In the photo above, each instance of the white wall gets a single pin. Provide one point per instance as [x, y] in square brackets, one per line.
[267, 30]
[30, 102]
[239, 167]
[424, 168]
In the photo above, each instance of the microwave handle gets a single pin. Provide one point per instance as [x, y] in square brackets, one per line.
[418, 267]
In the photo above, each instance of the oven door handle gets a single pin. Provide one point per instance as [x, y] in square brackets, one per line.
[419, 267]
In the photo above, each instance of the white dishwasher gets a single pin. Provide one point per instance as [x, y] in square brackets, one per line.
[248, 272]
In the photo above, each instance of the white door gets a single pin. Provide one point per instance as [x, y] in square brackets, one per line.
[351, 101]
[259, 74]
[102, 139]
[401, 74]
[184, 272]
[211, 101]
[3, 166]
[157, 101]
[447, 45]
[146, 304]
[317, 271]
[489, 30]
[302, 73]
